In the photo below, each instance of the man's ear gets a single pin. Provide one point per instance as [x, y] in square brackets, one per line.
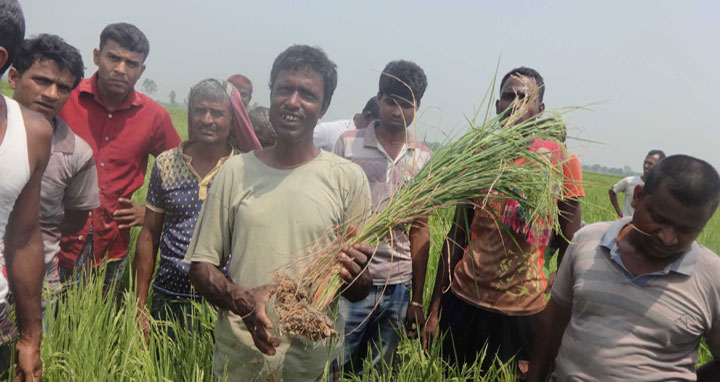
[96, 56]
[541, 108]
[638, 195]
[142, 70]
[497, 107]
[4, 56]
[13, 76]
[417, 106]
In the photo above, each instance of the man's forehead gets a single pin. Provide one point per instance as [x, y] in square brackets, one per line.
[517, 83]
[50, 67]
[114, 47]
[309, 74]
[212, 103]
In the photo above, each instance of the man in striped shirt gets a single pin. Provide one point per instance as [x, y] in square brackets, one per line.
[634, 297]
[390, 157]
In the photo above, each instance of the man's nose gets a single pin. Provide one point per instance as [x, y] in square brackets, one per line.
[293, 100]
[51, 92]
[121, 67]
[207, 118]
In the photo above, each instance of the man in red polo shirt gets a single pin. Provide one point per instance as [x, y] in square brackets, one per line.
[122, 126]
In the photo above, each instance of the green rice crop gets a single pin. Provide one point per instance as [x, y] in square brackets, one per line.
[94, 338]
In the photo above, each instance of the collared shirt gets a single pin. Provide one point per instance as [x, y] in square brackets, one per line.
[637, 328]
[683, 264]
[392, 262]
[177, 191]
[69, 183]
[121, 141]
[326, 134]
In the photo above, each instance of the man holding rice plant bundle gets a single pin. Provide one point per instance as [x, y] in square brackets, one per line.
[495, 261]
[390, 156]
[635, 297]
[266, 208]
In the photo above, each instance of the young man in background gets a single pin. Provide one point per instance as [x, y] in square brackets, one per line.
[627, 185]
[390, 156]
[123, 127]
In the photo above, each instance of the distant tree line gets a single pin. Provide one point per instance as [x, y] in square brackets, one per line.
[625, 171]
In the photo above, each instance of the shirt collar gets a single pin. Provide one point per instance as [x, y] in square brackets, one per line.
[63, 139]
[371, 139]
[90, 87]
[684, 265]
[188, 159]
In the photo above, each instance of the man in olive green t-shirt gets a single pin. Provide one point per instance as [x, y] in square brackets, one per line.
[266, 206]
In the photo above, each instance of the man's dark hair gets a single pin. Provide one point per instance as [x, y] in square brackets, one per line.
[659, 153]
[372, 108]
[403, 79]
[128, 36]
[527, 72]
[12, 30]
[303, 56]
[50, 47]
[690, 180]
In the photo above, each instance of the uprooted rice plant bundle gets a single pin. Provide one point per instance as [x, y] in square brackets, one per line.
[492, 159]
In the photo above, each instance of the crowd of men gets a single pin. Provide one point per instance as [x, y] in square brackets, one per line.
[247, 190]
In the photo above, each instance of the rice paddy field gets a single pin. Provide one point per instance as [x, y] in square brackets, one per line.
[93, 338]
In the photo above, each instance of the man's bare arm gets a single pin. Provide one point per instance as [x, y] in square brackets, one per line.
[614, 201]
[24, 249]
[570, 220]
[146, 249]
[550, 328]
[419, 252]
[245, 302]
[450, 254]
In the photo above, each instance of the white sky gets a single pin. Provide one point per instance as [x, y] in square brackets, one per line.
[650, 68]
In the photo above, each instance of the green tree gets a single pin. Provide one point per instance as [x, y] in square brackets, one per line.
[149, 87]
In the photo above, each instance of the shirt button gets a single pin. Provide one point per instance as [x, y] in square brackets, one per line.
[110, 115]
[107, 138]
[102, 164]
[80, 237]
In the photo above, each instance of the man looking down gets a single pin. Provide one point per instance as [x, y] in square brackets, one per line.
[634, 297]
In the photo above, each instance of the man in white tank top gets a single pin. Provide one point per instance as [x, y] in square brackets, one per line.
[25, 138]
